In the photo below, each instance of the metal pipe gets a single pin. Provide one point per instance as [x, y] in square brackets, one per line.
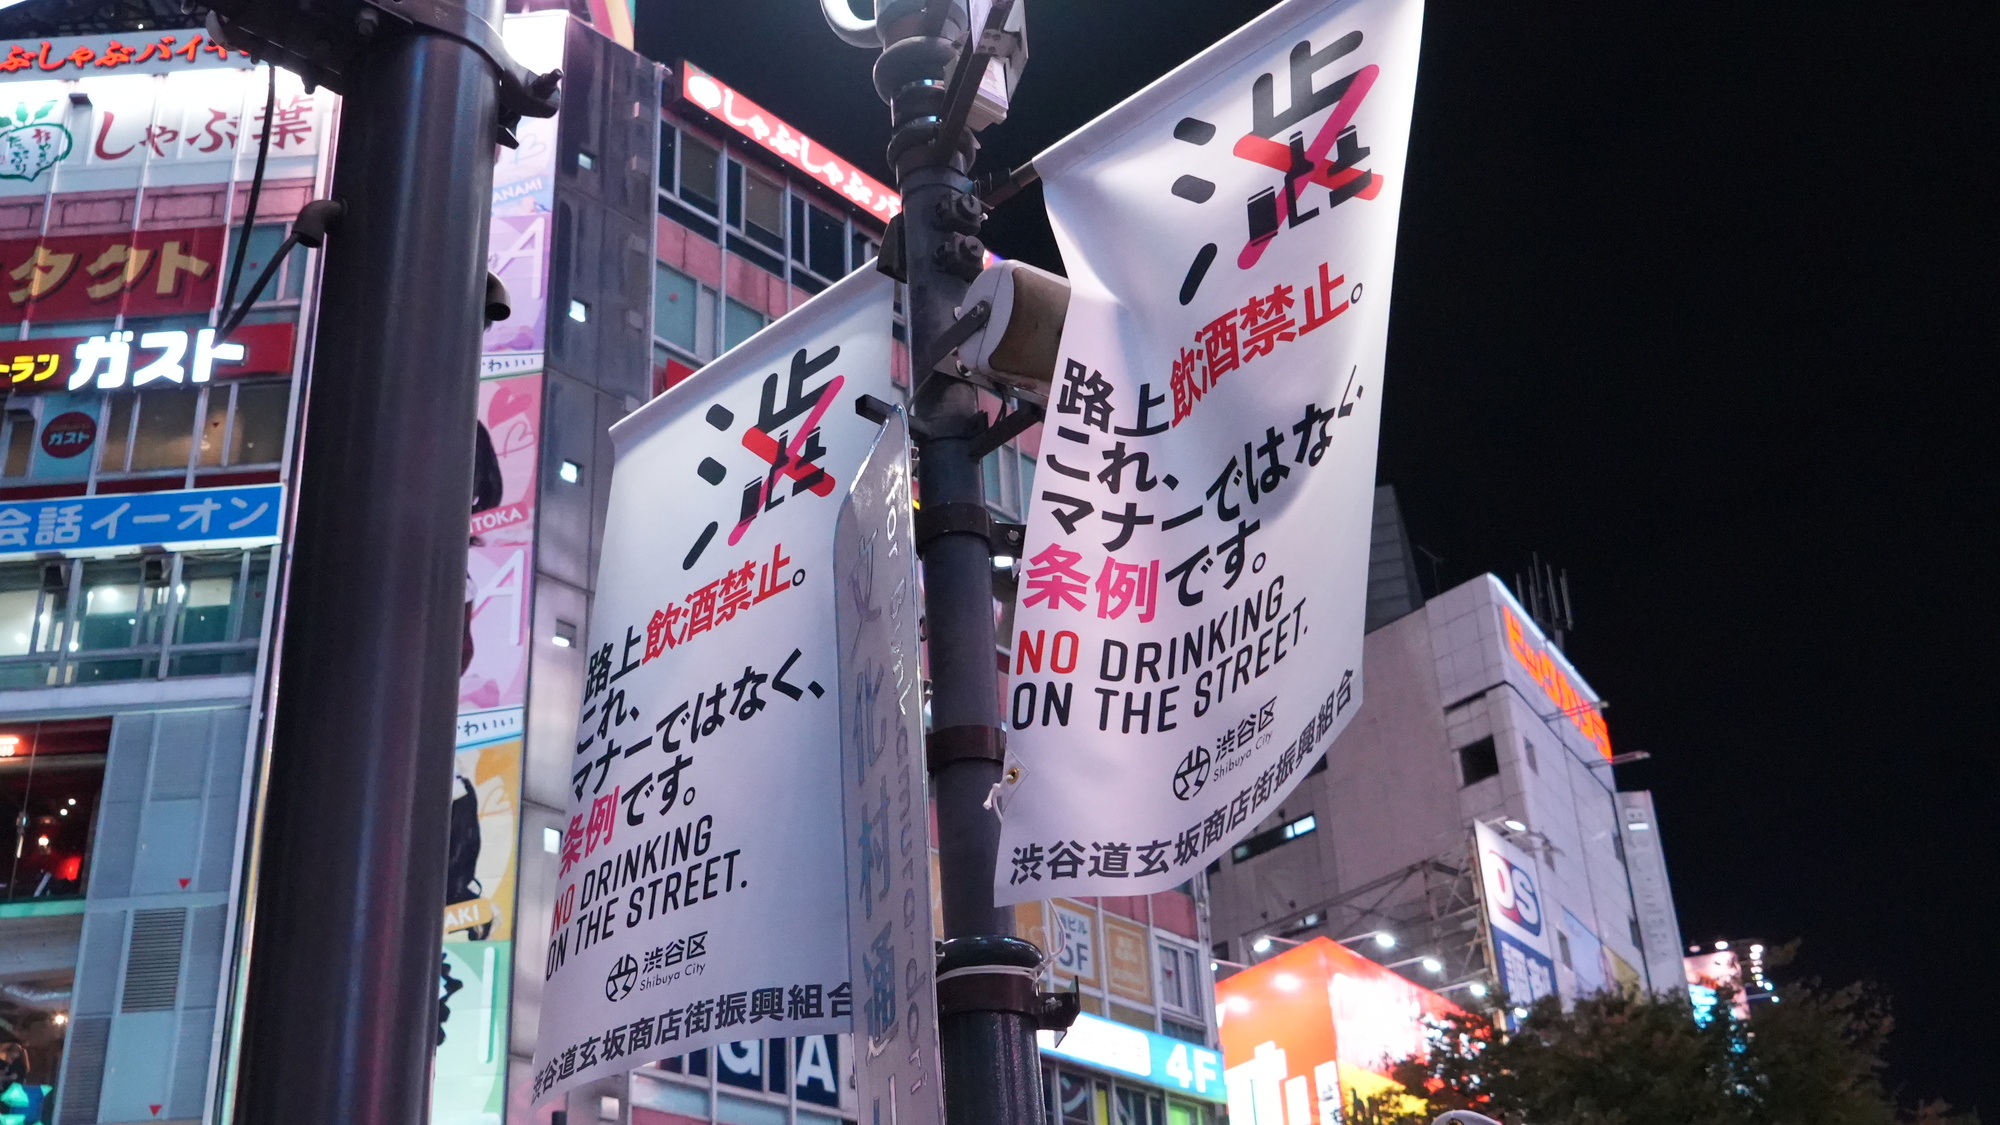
[341, 1008]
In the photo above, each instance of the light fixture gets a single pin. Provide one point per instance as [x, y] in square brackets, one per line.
[551, 840]
[1477, 988]
[584, 161]
[1261, 945]
[565, 635]
[1432, 965]
[62, 812]
[1755, 950]
[43, 841]
[1002, 562]
[570, 472]
[1520, 1013]
[559, 641]
[72, 800]
[1513, 826]
[1385, 939]
[579, 312]
[1721, 945]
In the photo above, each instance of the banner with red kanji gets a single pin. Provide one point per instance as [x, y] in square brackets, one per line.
[701, 890]
[1188, 628]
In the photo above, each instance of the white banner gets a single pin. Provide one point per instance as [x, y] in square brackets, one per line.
[1188, 630]
[1516, 915]
[700, 898]
[885, 794]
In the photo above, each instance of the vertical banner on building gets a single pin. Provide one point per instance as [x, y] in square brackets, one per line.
[1511, 885]
[1190, 616]
[699, 898]
[884, 793]
[524, 200]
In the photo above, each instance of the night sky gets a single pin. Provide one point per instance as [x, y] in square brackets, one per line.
[1685, 301]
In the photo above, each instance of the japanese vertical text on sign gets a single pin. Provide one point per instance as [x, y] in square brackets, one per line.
[698, 900]
[1188, 631]
[884, 793]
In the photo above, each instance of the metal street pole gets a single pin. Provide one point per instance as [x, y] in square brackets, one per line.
[986, 997]
[341, 1010]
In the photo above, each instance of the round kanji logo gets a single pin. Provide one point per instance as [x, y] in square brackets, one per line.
[624, 974]
[1192, 774]
[69, 434]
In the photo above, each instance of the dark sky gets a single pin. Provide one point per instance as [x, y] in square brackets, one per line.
[1686, 301]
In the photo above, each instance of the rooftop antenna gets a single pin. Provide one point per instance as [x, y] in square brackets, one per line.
[1545, 592]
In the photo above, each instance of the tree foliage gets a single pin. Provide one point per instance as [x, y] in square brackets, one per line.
[1814, 1057]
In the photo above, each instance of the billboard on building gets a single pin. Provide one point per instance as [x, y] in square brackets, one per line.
[697, 887]
[1709, 976]
[1311, 1035]
[1193, 589]
[1516, 918]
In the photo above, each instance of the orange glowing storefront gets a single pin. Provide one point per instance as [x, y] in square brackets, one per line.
[1308, 1037]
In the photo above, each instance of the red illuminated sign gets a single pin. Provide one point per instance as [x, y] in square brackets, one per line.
[98, 276]
[1555, 683]
[65, 54]
[150, 359]
[1310, 1035]
[788, 144]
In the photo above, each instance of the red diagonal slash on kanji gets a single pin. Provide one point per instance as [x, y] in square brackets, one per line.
[1271, 154]
[787, 458]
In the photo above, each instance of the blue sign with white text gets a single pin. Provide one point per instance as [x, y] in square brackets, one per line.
[141, 519]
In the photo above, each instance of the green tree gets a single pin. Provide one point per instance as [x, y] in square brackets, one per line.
[1814, 1057]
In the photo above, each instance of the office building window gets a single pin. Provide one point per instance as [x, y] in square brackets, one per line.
[739, 323]
[699, 182]
[1274, 837]
[50, 776]
[1180, 979]
[763, 210]
[67, 621]
[1478, 761]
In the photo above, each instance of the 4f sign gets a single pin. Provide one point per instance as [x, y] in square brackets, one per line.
[106, 361]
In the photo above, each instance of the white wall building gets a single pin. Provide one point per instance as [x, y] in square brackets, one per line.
[1470, 716]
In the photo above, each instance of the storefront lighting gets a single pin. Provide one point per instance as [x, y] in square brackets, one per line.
[1721, 945]
[551, 840]
[42, 840]
[1002, 562]
[61, 1018]
[559, 641]
[10, 745]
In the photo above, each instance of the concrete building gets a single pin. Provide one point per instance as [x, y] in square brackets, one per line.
[1471, 717]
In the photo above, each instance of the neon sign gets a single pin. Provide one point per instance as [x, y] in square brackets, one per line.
[1582, 712]
[788, 144]
[119, 359]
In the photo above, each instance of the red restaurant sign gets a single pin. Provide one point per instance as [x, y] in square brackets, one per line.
[150, 359]
[98, 276]
[787, 143]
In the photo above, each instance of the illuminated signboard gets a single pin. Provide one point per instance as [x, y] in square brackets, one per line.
[98, 54]
[788, 144]
[206, 517]
[1556, 682]
[97, 276]
[1171, 1064]
[1310, 1035]
[141, 359]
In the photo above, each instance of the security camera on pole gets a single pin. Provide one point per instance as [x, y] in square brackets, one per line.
[946, 69]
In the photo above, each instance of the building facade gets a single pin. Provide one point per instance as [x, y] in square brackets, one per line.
[1471, 717]
[658, 220]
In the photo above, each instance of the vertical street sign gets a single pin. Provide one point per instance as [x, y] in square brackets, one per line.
[1188, 632]
[884, 795]
[699, 899]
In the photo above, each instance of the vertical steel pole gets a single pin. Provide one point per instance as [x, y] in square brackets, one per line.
[341, 1011]
[992, 1073]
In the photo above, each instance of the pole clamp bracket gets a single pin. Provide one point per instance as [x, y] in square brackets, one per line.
[974, 742]
[989, 988]
[961, 518]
